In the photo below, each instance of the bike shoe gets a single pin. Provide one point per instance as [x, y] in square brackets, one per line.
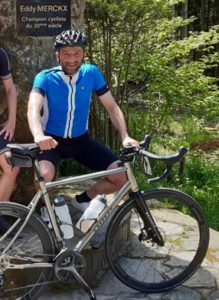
[81, 206]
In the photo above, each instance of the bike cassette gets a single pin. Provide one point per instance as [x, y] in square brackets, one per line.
[66, 263]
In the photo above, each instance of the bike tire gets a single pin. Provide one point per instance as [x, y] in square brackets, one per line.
[145, 266]
[34, 244]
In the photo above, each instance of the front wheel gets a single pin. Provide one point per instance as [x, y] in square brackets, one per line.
[142, 264]
[19, 278]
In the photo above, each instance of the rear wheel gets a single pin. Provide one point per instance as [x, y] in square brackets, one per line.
[142, 264]
[33, 245]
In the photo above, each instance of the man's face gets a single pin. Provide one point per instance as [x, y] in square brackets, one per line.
[70, 58]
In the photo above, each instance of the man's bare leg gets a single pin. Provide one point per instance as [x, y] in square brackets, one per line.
[7, 179]
[109, 184]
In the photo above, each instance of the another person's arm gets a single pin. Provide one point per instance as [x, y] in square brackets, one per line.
[11, 96]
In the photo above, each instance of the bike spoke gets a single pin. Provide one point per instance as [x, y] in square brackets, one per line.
[26, 266]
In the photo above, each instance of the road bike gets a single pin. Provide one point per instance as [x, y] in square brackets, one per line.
[155, 241]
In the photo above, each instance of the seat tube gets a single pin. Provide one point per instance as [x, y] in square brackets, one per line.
[43, 188]
[40, 178]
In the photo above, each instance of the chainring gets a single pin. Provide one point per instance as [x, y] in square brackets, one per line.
[64, 264]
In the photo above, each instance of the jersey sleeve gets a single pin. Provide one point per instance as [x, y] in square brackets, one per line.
[100, 85]
[40, 83]
[5, 71]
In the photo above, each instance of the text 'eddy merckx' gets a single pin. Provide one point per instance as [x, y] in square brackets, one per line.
[43, 8]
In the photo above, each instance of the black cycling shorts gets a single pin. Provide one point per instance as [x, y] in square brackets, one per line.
[3, 143]
[84, 149]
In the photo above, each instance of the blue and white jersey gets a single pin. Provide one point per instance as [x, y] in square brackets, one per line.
[67, 99]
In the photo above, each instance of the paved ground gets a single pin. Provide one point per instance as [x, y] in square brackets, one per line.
[204, 285]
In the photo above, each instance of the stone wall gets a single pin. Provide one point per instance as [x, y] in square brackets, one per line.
[28, 55]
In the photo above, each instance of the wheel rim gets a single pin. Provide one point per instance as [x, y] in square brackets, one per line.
[147, 267]
[32, 246]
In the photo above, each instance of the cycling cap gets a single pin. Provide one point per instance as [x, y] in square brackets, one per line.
[70, 38]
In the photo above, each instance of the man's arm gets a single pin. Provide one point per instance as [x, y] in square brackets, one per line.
[117, 118]
[34, 119]
[11, 96]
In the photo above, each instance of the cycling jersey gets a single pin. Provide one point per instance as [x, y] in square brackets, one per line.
[4, 65]
[67, 99]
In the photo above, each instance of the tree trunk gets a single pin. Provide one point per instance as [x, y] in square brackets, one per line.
[216, 22]
[204, 15]
[184, 31]
[28, 55]
[77, 13]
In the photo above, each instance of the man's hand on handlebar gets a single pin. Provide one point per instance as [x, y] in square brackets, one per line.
[45, 142]
[129, 142]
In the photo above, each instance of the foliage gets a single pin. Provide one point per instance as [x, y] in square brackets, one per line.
[138, 47]
[201, 173]
[202, 182]
[180, 80]
[162, 76]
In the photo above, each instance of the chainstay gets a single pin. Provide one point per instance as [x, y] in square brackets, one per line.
[31, 285]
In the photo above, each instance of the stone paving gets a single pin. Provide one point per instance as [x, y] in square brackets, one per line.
[203, 285]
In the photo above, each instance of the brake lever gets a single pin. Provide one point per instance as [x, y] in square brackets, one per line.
[147, 165]
[146, 142]
[169, 161]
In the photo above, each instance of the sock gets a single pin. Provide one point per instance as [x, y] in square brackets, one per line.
[83, 197]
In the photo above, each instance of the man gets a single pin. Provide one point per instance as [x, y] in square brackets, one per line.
[64, 93]
[8, 176]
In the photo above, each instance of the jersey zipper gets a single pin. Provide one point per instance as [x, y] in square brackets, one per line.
[71, 109]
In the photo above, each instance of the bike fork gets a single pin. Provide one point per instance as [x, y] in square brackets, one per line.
[149, 224]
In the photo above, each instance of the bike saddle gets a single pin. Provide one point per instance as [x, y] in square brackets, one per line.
[24, 149]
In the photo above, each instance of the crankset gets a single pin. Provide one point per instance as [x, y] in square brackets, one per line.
[66, 263]
[69, 266]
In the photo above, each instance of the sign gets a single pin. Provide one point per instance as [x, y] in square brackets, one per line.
[42, 17]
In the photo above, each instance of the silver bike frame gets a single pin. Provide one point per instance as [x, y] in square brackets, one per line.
[130, 184]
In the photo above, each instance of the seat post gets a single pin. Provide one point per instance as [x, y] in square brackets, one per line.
[37, 170]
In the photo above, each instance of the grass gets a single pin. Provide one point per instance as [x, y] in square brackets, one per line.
[202, 182]
[201, 174]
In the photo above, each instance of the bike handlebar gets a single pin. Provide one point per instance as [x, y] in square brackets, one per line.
[23, 154]
[174, 158]
[169, 160]
[128, 154]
